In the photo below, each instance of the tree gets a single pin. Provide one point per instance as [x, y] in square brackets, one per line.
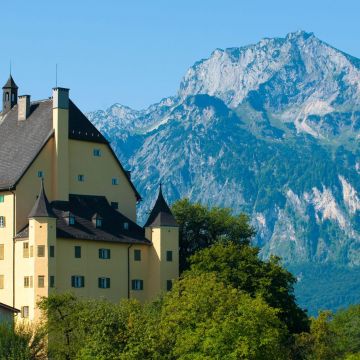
[240, 266]
[346, 325]
[201, 227]
[22, 343]
[202, 318]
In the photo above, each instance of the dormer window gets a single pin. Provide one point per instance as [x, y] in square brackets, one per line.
[97, 221]
[69, 218]
[115, 181]
[40, 174]
[81, 178]
[126, 226]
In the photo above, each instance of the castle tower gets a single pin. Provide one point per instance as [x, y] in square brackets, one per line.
[42, 239]
[163, 231]
[10, 95]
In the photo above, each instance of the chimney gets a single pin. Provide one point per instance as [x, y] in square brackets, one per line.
[23, 107]
[60, 98]
[61, 129]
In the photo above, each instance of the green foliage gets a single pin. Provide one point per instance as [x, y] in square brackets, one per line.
[346, 325]
[204, 319]
[240, 266]
[201, 318]
[332, 336]
[201, 227]
[21, 343]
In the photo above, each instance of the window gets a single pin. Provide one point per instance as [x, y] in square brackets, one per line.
[41, 251]
[26, 249]
[2, 198]
[52, 251]
[31, 251]
[137, 255]
[77, 281]
[78, 252]
[104, 253]
[97, 152]
[169, 255]
[126, 226]
[114, 181]
[24, 311]
[168, 285]
[98, 223]
[28, 281]
[52, 281]
[2, 250]
[81, 177]
[2, 221]
[115, 205]
[137, 284]
[40, 174]
[1, 281]
[41, 281]
[71, 220]
[104, 283]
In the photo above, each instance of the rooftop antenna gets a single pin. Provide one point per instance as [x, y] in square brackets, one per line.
[56, 75]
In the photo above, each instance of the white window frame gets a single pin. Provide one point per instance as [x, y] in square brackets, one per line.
[2, 222]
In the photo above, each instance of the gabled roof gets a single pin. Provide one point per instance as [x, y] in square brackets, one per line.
[10, 84]
[83, 208]
[22, 141]
[10, 308]
[161, 214]
[42, 206]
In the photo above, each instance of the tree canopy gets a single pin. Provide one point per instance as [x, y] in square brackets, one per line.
[201, 227]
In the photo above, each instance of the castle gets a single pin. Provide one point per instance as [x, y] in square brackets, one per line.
[68, 211]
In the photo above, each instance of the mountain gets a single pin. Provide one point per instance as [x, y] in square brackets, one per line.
[271, 129]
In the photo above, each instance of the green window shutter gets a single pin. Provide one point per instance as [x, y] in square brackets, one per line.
[107, 283]
[73, 281]
[141, 285]
[100, 254]
[133, 282]
[109, 253]
[83, 281]
[99, 282]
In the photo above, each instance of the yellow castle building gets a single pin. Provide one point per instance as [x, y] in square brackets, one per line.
[68, 211]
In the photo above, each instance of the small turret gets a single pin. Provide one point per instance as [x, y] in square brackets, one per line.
[42, 206]
[10, 95]
[162, 230]
[161, 214]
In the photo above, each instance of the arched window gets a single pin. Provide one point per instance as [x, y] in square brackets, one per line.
[13, 97]
[7, 96]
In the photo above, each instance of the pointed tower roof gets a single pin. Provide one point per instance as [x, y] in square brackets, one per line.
[10, 84]
[42, 206]
[161, 214]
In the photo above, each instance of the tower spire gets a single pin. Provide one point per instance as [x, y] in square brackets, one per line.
[161, 214]
[10, 94]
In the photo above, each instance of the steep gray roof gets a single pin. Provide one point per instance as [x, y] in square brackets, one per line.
[83, 208]
[22, 141]
[161, 214]
[42, 206]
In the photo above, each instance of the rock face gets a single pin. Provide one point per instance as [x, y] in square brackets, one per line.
[271, 129]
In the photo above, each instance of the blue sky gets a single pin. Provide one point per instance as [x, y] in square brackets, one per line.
[136, 52]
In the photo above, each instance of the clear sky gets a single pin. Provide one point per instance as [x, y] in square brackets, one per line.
[136, 52]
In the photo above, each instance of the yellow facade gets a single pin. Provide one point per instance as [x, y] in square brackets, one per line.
[42, 262]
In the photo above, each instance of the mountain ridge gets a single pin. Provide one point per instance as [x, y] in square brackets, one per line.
[272, 129]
